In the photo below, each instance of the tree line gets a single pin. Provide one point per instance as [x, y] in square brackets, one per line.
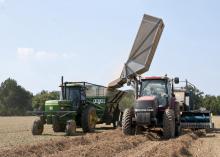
[16, 100]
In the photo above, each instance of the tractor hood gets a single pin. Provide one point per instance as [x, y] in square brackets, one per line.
[147, 98]
[146, 103]
[56, 105]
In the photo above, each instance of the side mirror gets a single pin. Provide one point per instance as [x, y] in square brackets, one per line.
[165, 95]
[187, 94]
[176, 80]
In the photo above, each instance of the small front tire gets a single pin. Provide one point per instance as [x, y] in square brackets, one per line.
[38, 127]
[70, 128]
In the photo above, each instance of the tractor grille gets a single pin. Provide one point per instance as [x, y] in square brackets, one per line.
[143, 117]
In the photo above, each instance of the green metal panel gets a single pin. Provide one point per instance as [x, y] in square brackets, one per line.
[52, 105]
[100, 104]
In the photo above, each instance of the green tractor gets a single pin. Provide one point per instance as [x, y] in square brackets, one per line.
[81, 104]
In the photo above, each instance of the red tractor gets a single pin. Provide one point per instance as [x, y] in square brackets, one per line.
[155, 100]
[155, 106]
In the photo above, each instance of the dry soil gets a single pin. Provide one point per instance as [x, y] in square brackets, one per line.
[16, 140]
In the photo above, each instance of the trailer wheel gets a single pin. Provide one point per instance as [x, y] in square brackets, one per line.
[169, 124]
[116, 115]
[70, 128]
[127, 127]
[119, 123]
[38, 127]
[88, 120]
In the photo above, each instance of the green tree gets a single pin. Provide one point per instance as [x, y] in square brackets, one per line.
[39, 99]
[14, 99]
[128, 100]
[212, 103]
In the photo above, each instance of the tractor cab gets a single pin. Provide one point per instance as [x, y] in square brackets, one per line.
[74, 93]
[157, 87]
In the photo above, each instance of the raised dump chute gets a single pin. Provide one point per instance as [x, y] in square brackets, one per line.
[143, 50]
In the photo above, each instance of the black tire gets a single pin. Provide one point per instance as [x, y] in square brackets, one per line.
[178, 130]
[213, 126]
[116, 114]
[127, 127]
[177, 112]
[119, 123]
[169, 124]
[114, 124]
[70, 128]
[37, 127]
[88, 119]
[57, 127]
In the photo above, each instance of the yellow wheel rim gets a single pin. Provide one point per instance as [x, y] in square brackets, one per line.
[92, 119]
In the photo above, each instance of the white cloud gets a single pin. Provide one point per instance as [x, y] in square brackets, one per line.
[46, 55]
[25, 53]
[30, 53]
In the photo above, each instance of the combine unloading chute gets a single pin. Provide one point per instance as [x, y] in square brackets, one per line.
[143, 50]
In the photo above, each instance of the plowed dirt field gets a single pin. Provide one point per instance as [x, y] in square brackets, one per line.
[16, 140]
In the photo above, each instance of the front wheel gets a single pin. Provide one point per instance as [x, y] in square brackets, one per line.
[127, 126]
[38, 127]
[88, 120]
[70, 128]
[57, 126]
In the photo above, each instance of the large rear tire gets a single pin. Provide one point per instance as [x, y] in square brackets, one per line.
[88, 119]
[38, 127]
[127, 126]
[169, 124]
[177, 119]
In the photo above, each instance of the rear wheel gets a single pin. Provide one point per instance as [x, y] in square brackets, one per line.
[88, 120]
[127, 126]
[177, 119]
[38, 127]
[169, 124]
[70, 128]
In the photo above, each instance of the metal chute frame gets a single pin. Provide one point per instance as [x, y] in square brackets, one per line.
[142, 52]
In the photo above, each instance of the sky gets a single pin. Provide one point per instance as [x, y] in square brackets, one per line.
[41, 40]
